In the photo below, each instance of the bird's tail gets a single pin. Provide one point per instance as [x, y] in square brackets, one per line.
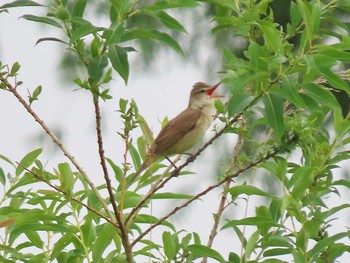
[146, 163]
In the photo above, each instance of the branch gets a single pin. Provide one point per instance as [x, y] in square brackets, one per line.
[123, 230]
[69, 196]
[223, 199]
[13, 90]
[226, 179]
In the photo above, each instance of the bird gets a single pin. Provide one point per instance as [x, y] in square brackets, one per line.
[184, 131]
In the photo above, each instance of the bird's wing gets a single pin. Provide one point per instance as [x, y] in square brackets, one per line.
[176, 129]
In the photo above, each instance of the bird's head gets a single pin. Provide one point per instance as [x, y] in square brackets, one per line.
[202, 95]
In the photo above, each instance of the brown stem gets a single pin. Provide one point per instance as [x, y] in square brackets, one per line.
[69, 196]
[123, 230]
[204, 192]
[223, 199]
[13, 90]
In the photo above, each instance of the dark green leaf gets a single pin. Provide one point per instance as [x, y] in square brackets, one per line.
[96, 67]
[205, 251]
[42, 19]
[55, 39]
[78, 9]
[154, 34]
[334, 80]
[239, 102]
[290, 90]
[321, 95]
[28, 160]
[119, 59]
[161, 5]
[35, 238]
[170, 196]
[20, 3]
[83, 31]
[252, 221]
[114, 34]
[274, 113]
[169, 21]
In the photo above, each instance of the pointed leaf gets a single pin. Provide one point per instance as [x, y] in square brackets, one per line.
[248, 190]
[274, 113]
[42, 19]
[321, 95]
[205, 251]
[28, 160]
[20, 3]
[119, 59]
[170, 22]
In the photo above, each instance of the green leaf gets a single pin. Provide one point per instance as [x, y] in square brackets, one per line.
[131, 199]
[2, 177]
[119, 59]
[114, 34]
[321, 95]
[301, 179]
[27, 160]
[42, 19]
[161, 5]
[325, 242]
[169, 21]
[205, 251]
[96, 67]
[274, 113]
[334, 80]
[248, 190]
[55, 39]
[146, 131]
[61, 244]
[104, 238]
[78, 9]
[35, 238]
[239, 102]
[67, 177]
[7, 160]
[290, 90]
[272, 37]
[20, 3]
[154, 34]
[169, 245]
[170, 196]
[252, 221]
[15, 68]
[83, 31]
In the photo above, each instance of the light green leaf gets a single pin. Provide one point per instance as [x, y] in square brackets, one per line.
[2, 177]
[35, 238]
[118, 173]
[119, 59]
[239, 102]
[169, 245]
[252, 221]
[67, 177]
[205, 251]
[27, 160]
[290, 90]
[274, 113]
[272, 37]
[83, 31]
[104, 238]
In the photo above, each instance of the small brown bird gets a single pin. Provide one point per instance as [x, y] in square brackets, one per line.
[186, 129]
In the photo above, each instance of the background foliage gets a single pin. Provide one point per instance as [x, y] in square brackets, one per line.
[287, 82]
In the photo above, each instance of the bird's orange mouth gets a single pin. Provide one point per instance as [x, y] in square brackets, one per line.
[211, 94]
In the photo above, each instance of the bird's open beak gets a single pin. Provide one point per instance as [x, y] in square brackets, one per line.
[211, 94]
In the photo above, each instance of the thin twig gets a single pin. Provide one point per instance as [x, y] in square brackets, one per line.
[123, 230]
[69, 196]
[197, 196]
[223, 198]
[58, 143]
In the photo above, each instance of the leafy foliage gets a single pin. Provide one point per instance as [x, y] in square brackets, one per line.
[284, 107]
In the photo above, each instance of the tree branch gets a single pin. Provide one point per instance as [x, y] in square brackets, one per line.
[123, 230]
[13, 90]
[228, 178]
[223, 199]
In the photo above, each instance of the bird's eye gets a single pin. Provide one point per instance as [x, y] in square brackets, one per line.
[202, 90]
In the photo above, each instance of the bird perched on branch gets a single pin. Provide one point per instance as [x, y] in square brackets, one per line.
[185, 130]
